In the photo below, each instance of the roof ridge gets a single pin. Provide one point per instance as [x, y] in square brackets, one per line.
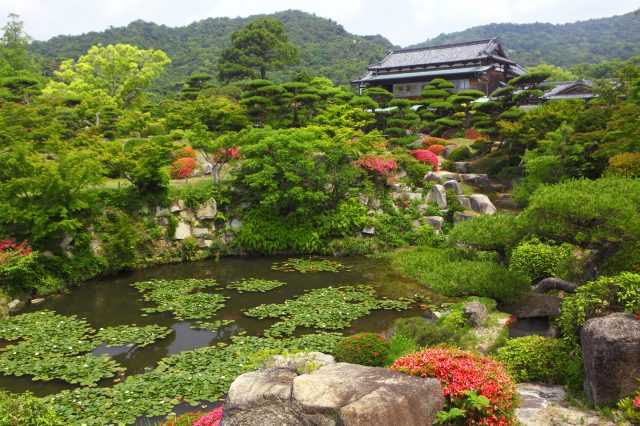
[442, 46]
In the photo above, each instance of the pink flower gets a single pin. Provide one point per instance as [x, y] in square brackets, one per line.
[426, 156]
[636, 402]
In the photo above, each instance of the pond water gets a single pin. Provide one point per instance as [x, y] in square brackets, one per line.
[112, 301]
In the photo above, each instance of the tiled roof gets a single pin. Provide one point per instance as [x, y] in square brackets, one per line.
[461, 52]
[557, 92]
[432, 73]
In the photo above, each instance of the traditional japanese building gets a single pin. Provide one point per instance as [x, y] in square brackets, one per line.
[482, 65]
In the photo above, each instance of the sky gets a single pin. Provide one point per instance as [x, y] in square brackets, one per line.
[403, 22]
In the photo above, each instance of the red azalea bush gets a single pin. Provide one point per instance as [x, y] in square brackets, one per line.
[432, 140]
[376, 164]
[10, 249]
[182, 168]
[364, 349]
[426, 156]
[211, 418]
[224, 155]
[630, 408]
[437, 149]
[478, 386]
[471, 134]
[184, 152]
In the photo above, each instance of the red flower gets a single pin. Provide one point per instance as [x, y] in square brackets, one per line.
[376, 164]
[10, 249]
[426, 156]
[636, 402]
[182, 168]
[436, 149]
[224, 155]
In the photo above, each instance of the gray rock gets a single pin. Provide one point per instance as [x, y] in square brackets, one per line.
[462, 216]
[302, 363]
[400, 174]
[334, 394]
[66, 242]
[535, 305]
[611, 350]
[208, 211]
[369, 230]
[235, 224]
[363, 199]
[96, 246]
[161, 212]
[480, 180]
[15, 305]
[375, 203]
[183, 230]
[37, 300]
[415, 196]
[196, 173]
[437, 195]
[416, 224]
[461, 166]
[187, 214]
[455, 185]
[445, 176]
[432, 177]
[435, 221]
[207, 168]
[464, 202]
[176, 206]
[448, 149]
[475, 313]
[201, 232]
[482, 204]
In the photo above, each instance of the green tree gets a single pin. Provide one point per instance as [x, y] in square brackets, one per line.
[14, 47]
[555, 72]
[260, 46]
[144, 165]
[114, 75]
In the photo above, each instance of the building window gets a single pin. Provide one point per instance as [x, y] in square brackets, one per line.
[462, 84]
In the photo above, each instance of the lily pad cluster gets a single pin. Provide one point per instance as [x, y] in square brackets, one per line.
[53, 346]
[328, 308]
[191, 376]
[305, 265]
[212, 325]
[181, 297]
[130, 335]
[255, 285]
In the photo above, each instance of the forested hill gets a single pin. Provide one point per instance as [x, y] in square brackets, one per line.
[326, 49]
[589, 41]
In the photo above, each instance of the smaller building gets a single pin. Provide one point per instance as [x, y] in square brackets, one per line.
[559, 90]
[481, 65]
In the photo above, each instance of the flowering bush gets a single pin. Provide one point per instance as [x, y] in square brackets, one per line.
[182, 168]
[431, 140]
[630, 408]
[364, 349]
[224, 155]
[184, 152]
[376, 164]
[471, 134]
[426, 156]
[436, 149]
[10, 250]
[19, 270]
[477, 390]
[211, 418]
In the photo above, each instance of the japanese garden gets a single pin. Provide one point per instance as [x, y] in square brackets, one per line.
[268, 220]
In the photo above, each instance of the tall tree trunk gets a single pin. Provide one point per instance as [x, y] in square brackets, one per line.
[592, 267]
[263, 73]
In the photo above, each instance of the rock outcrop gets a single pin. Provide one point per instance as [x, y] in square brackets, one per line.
[289, 393]
[437, 194]
[611, 350]
[482, 204]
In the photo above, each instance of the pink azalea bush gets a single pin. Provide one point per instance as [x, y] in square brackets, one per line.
[426, 156]
[376, 164]
[212, 418]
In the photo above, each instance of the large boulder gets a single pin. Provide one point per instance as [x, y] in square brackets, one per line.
[207, 211]
[482, 204]
[611, 350]
[183, 230]
[435, 221]
[464, 202]
[455, 185]
[432, 177]
[462, 216]
[475, 313]
[461, 166]
[334, 394]
[437, 194]
[535, 305]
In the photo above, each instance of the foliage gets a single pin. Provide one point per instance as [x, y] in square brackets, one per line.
[364, 349]
[143, 166]
[627, 164]
[212, 325]
[211, 418]
[26, 409]
[181, 298]
[303, 265]
[426, 156]
[426, 334]
[436, 149]
[534, 359]
[260, 46]
[255, 285]
[325, 308]
[598, 298]
[453, 273]
[630, 407]
[376, 164]
[459, 154]
[127, 335]
[537, 260]
[466, 377]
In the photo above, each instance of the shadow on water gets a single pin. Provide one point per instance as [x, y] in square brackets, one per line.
[112, 301]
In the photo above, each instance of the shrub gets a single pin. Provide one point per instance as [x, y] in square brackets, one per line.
[182, 168]
[481, 145]
[211, 418]
[477, 390]
[471, 134]
[399, 345]
[627, 165]
[184, 152]
[364, 349]
[26, 410]
[425, 333]
[430, 140]
[599, 298]
[630, 407]
[426, 156]
[190, 248]
[537, 260]
[535, 358]
[376, 164]
[154, 129]
[459, 154]
[436, 149]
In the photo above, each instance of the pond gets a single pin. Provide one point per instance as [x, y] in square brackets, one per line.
[113, 301]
